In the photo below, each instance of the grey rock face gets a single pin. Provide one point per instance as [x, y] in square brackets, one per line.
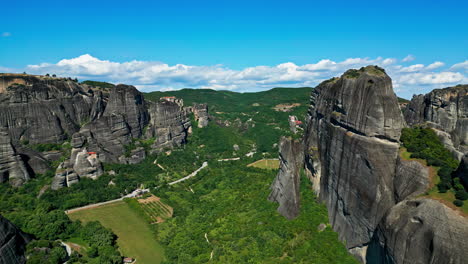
[445, 110]
[129, 102]
[420, 231]
[351, 154]
[61, 104]
[285, 188]
[136, 156]
[169, 124]
[353, 130]
[35, 162]
[411, 179]
[12, 167]
[201, 114]
[12, 243]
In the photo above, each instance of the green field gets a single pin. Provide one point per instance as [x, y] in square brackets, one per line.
[135, 238]
[265, 164]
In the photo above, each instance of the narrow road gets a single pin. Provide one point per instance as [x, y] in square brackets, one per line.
[130, 195]
[193, 174]
[136, 192]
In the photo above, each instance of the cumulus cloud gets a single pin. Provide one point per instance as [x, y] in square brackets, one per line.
[152, 75]
[6, 34]
[435, 65]
[460, 66]
[409, 58]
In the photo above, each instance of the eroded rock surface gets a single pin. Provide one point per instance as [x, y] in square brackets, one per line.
[285, 188]
[411, 179]
[201, 114]
[353, 131]
[12, 243]
[445, 110]
[169, 124]
[12, 167]
[420, 231]
[62, 104]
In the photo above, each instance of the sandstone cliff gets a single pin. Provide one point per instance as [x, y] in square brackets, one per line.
[12, 167]
[285, 188]
[354, 128]
[351, 154]
[12, 243]
[446, 111]
[169, 125]
[420, 231]
[201, 114]
[63, 105]
[102, 125]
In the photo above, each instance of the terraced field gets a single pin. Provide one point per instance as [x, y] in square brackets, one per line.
[155, 209]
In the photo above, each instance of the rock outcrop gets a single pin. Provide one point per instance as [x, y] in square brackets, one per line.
[411, 179]
[351, 155]
[446, 111]
[285, 188]
[12, 243]
[200, 112]
[12, 167]
[353, 131]
[103, 124]
[62, 104]
[169, 125]
[420, 231]
[127, 101]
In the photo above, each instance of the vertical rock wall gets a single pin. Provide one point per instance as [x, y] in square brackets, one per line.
[12, 243]
[285, 188]
[446, 111]
[12, 167]
[351, 154]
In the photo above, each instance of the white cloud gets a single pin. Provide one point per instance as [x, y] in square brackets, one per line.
[409, 58]
[431, 78]
[6, 34]
[151, 75]
[412, 68]
[461, 65]
[435, 65]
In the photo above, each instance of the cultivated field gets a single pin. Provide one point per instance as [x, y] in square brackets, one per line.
[155, 209]
[135, 238]
[271, 164]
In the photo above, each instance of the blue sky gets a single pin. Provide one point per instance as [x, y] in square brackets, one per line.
[234, 36]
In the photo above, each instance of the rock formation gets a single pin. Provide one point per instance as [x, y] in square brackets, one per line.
[351, 154]
[411, 179]
[201, 114]
[446, 111]
[285, 188]
[355, 125]
[12, 243]
[420, 231]
[102, 125]
[60, 103]
[169, 125]
[127, 101]
[12, 167]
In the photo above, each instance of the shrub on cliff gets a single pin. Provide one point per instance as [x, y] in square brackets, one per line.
[424, 143]
[458, 203]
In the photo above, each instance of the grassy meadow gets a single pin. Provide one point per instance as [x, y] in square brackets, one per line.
[135, 238]
[269, 164]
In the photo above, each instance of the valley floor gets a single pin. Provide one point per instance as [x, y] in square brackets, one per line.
[135, 238]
